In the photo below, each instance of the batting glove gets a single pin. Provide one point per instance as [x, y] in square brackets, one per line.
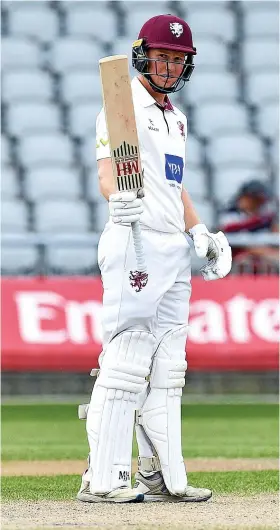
[125, 208]
[215, 248]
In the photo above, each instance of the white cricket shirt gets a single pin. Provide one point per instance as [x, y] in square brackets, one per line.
[162, 139]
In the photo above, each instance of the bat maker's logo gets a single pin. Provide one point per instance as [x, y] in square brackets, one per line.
[129, 174]
[152, 127]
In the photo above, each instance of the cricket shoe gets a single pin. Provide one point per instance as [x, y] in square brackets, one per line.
[118, 495]
[154, 489]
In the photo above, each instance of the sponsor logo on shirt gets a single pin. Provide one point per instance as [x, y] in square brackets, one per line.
[174, 167]
[103, 141]
[152, 126]
[181, 129]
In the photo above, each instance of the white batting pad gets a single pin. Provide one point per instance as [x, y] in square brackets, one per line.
[160, 415]
[110, 417]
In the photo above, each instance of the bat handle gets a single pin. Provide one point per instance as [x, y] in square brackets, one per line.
[139, 251]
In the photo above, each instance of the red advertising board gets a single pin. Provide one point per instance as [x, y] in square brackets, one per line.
[54, 324]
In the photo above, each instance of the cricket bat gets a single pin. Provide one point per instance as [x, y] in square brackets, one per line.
[124, 145]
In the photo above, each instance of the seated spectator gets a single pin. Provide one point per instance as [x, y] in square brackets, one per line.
[253, 209]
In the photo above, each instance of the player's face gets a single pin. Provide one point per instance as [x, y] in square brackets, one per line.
[166, 67]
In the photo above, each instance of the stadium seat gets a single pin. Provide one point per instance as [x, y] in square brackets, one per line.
[222, 23]
[83, 118]
[136, 16]
[5, 150]
[91, 20]
[18, 52]
[203, 87]
[268, 119]
[193, 152]
[122, 46]
[93, 191]
[19, 259]
[34, 19]
[14, 216]
[260, 53]
[228, 180]
[212, 54]
[238, 150]
[88, 151]
[72, 260]
[45, 148]
[205, 211]
[21, 83]
[101, 215]
[262, 22]
[28, 117]
[62, 216]
[71, 53]
[216, 118]
[194, 181]
[52, 182]
[202, 6]
[80, 85]
[9, 184]
[262, 86]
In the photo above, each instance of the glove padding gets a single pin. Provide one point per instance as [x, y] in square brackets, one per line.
[125, 207]
[216, 248]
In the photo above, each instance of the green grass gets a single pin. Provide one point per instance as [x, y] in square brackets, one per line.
[53, 432]
[65, 487]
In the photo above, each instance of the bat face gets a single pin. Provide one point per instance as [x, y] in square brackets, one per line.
[121, 124]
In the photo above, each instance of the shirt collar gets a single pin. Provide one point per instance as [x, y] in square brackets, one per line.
[146, 99]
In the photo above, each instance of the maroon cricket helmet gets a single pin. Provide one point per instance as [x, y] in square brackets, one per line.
[167, 32]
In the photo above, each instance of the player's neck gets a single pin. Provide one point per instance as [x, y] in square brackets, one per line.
[160, 98]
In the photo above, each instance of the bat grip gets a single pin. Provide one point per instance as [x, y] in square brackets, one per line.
[139, 251]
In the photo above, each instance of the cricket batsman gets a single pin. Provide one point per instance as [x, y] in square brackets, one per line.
[142, 365]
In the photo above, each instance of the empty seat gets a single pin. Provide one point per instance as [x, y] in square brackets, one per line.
[228, 180]
[193, 152]
[101, 211]
[52, 182]
[88, 151]
[205, 86]
[81, 85]
[9, 184]
[205, 211]
[262, 23]
[83, 117]
[29, 117]
[222, 23]
[26, 83]
[136, 16]
[217, 117]
[211, 54]
[192, 7]
[62, 216]
[93, 191]
[5, 150]
[19, 52]
[68, 53]
[268, 119]
[14, 216]
[73, 259]
[122, 46]
[262, 86]
[260, 53]
[87, 19]
[45, 148]
[194, 181]
[34, 20]
[239, 150]
[18, 259]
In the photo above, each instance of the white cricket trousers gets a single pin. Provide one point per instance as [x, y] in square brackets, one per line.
[160, 306]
